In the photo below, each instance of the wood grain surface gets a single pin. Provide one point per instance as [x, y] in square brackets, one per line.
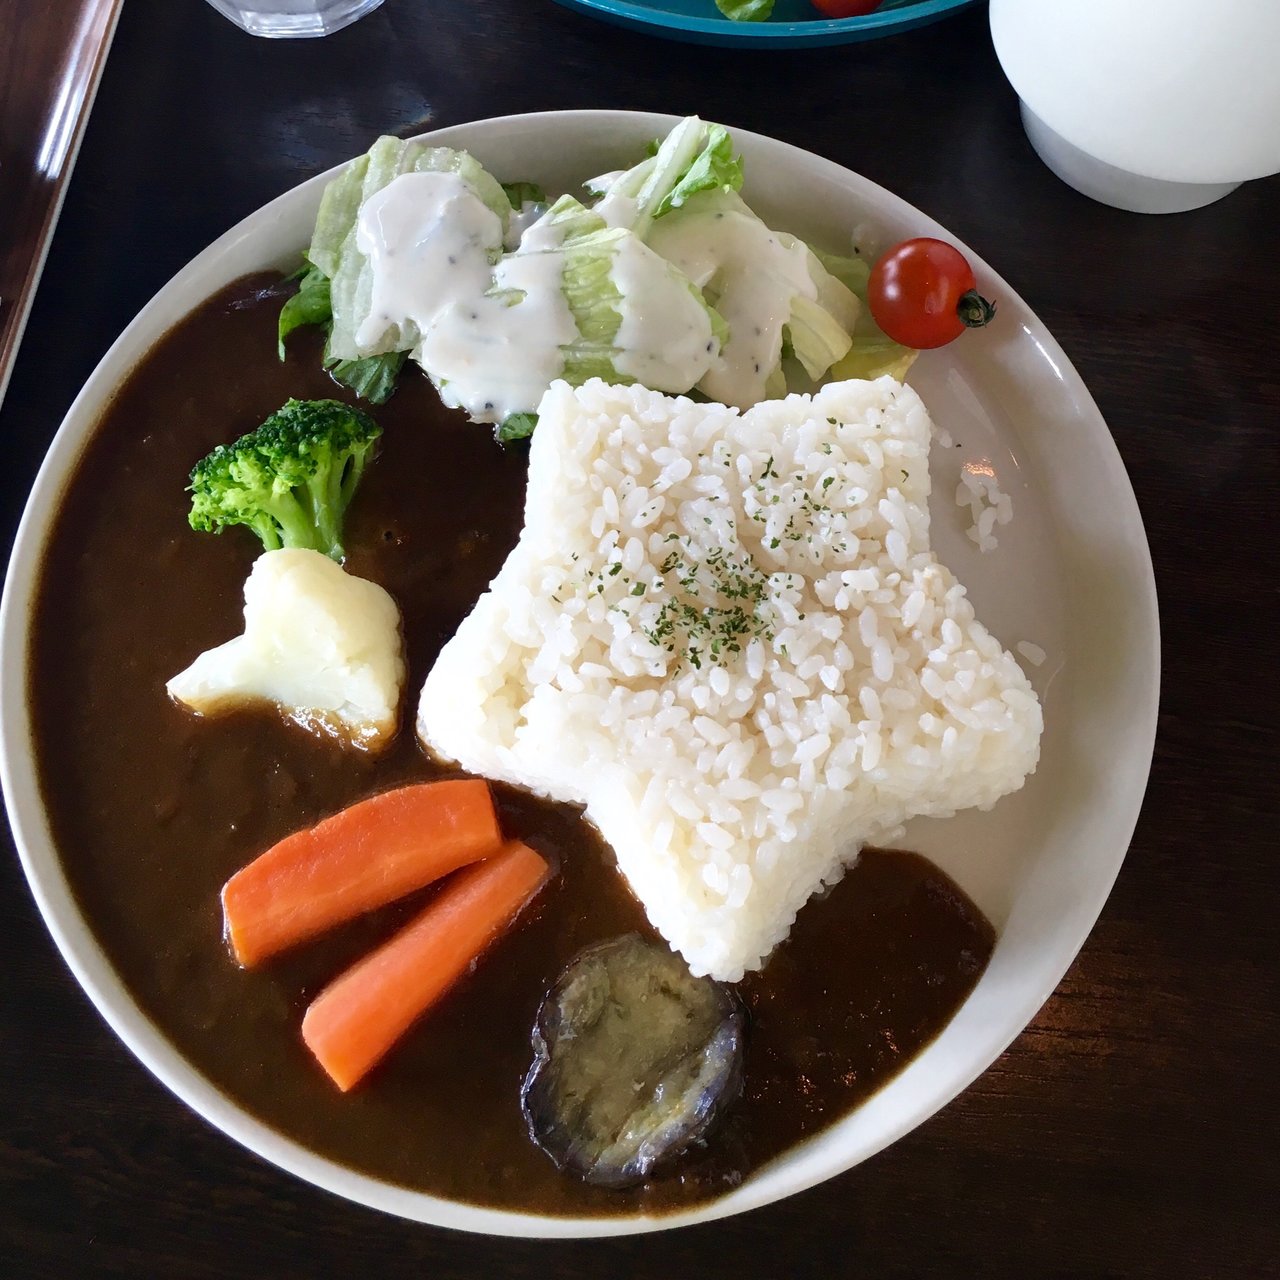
[1132, 1130]
[50, 61]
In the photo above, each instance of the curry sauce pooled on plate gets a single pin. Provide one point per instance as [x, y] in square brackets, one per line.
[153, 811]
[456, 985]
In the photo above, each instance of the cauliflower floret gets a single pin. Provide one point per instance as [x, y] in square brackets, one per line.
[321, 644]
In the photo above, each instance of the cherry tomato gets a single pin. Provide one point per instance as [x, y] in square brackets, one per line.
[846, 8]
[923, 294]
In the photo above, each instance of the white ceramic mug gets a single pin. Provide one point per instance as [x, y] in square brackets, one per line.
[1157, 106]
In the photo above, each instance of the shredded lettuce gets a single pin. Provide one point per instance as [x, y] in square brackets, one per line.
[714, 168]
[694, 174]
[745, 10]
[738, 261]
[589, 288]
[682, 167]
[694, 157]
[596, 302]
[817, 338]
[339, 208]
[719, 327]
[568, 219]
[334, 249]
[817, 327]
[872, 354]
[853, 273]
[870, 357]
[597, 186]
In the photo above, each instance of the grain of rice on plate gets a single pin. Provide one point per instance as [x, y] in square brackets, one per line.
[725, 633]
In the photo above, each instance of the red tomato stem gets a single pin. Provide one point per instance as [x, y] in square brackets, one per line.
[974, 310]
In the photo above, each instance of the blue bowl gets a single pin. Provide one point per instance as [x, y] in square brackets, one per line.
[795, 24]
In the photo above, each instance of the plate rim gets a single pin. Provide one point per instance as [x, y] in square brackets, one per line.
[92, 967]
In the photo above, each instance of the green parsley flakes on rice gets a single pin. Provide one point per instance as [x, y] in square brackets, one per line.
[724, 633]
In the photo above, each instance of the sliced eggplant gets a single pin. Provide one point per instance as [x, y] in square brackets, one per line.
[634, 1059]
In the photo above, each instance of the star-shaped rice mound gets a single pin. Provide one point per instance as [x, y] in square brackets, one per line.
[726, 635]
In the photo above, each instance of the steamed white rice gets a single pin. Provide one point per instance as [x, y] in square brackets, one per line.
[861, 691]
[988, 504]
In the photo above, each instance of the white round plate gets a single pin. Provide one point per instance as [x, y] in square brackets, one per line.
[1072, 574]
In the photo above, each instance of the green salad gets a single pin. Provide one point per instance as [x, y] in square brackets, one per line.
[658, 274]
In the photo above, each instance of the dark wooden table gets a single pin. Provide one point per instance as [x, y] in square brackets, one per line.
[1132, 1130]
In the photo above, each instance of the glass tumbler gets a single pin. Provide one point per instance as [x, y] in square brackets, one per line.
[293, 18]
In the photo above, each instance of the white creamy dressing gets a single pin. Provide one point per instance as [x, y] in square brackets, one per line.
[428, 240]
[491, 329]
[541, 235]
[495, 354]
[617, 209]
[665, 340]
[490, 336]
[598, 186]
[520, 221]
[750, 275]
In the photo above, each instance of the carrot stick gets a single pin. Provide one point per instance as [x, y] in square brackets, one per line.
[367, 855]
[356, 1019]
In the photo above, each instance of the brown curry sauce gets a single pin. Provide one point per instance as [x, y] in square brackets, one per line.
[153, 809]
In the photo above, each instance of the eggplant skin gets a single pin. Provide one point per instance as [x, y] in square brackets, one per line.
[634, 1060]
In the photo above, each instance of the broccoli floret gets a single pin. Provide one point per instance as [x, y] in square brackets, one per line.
[290, 480]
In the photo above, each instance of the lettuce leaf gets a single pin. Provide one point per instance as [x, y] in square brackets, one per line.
[334, 249]
[817, 326]
[714, 168]
[590, 287]
[372, 378]
[745, 10]
[694, 157]
[516, 426]
[772, 289]
[872, 353]
[853, 273]
[520, 194]
[310, 305]
[567, 219]
[339, 207]
[871, 357]
[817, 338]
